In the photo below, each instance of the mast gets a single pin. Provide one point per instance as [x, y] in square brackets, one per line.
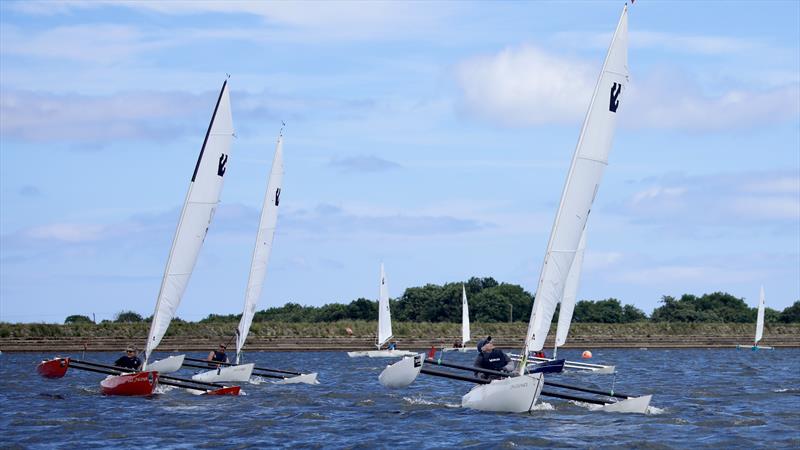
[760, 318]
[465, 335]
[263, 246]
[384, 314]
[198, 210]
[570, 296]
[580, 188]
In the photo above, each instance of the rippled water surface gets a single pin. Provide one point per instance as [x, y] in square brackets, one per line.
[702, 398]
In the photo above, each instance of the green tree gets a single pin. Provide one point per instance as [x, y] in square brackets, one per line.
[791, 314]
[127, 317]
[77, 319]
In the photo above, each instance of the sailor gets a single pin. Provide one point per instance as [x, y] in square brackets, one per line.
[457, 344]
[491, 358]
[218, 355]
[392, 346]
[130, 360]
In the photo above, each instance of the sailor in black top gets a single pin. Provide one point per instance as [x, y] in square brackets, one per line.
[129, 361]
[218, 355]
[491, 358]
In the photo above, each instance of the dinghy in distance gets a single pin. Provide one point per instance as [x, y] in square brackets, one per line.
[759, 325]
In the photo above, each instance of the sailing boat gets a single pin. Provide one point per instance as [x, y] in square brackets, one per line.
[520, 393]
[759, 325]
[384, 326]
[465, 335]
[198, 211]
[565, 316]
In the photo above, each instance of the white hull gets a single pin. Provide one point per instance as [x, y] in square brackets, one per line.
[306, 378]
[239, 374]
[574, 365]
[516, 394]
[381, 354]
[754, 347]
[167, 365]
[403, 372]
[460, 350]
[637, 405]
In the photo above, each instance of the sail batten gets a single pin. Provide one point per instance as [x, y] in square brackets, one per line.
[580, 188]
[262, 248]
[197, 213]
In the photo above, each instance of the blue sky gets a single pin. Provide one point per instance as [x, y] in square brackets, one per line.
[432, 136]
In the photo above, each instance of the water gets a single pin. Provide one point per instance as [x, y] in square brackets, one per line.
[702, 398]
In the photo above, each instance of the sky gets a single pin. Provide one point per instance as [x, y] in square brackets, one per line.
[434, 137]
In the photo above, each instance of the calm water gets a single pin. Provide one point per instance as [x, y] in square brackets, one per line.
[703, 398]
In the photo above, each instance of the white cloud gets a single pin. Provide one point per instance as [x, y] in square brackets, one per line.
[528, 86]
[68, 232]
[679, 43]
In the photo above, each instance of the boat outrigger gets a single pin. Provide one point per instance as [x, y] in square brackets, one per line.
[198, 210]
[519, 391]
[384, 327]
[759, 325]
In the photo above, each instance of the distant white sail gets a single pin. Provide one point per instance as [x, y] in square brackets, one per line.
[198, 210]
[384, 315]
[263, 247]
[464, 316]
[570, 293]
[586, 171]
[760, 317]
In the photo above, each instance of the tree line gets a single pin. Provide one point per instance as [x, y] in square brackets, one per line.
[491, 302]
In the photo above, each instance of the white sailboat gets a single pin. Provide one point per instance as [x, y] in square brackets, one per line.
[258, 272]
[465, 334]
[565, 316]
[520, 393]
[759, 324]
[198, 211]
[384, 326]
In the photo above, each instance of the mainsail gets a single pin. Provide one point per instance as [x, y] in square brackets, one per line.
[570, 295]
[263, 247]
[464, 316]
[760, 317]
[384, 316]
[198, 210]
[586, 171]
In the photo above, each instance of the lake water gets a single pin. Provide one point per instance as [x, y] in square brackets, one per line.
[702, 398]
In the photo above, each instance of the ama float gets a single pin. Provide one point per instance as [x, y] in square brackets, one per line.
[519, 391]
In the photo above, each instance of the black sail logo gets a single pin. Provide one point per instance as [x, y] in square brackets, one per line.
[223, 160]
[616, 89]
[277, 196]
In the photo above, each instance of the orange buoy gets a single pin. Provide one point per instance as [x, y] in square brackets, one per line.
[586, 354]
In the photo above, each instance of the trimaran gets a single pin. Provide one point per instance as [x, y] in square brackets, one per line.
[519, 393]
[198, 210]
[384, 326]
[759, 325]
[255, 282]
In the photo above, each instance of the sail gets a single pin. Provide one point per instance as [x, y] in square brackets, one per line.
[263, 247]
[198, 210]
[464, 316]
[586, 171]
[760, 316]
[570, 293]
[384, 316]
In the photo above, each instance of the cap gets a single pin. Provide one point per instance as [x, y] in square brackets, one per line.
[130, 349]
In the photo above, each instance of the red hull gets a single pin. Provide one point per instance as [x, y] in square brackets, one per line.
[54, 368]
[232, 390]
[142, 383]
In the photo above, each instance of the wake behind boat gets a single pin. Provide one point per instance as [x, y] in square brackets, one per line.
[384, 327]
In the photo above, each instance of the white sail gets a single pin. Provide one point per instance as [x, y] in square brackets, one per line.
[760, 317]
[588, 162]
[263, 247]
[464, 316]
[570, 294]
[384, 316]
[198, 210]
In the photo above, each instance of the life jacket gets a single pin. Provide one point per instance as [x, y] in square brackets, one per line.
[219, 356]
[128, 362]
[495, 360]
